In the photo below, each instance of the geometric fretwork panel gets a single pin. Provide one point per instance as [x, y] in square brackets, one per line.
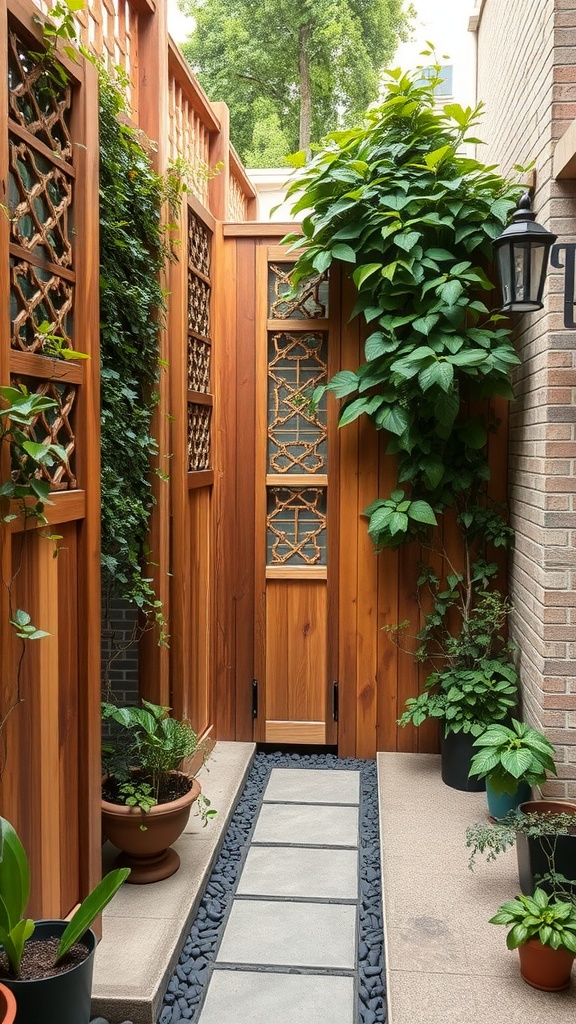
[296, 436]
[310, 301]
[40, 199]
[296, 526]
[53, 426]
[38, 296]
[198, 365]
[36, 102]
[198, 305]
[198, 437]
[198, 244]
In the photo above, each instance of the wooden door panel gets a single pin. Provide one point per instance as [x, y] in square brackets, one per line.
[296, 667]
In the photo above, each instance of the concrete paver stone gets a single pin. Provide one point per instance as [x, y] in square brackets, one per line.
[308, 786]
[258, 998]
[295, 871]
[317, 825]
[290, 934]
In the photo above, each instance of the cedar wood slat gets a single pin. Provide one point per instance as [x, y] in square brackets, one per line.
[245, 486]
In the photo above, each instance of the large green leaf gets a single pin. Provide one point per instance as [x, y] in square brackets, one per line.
[90, 908]
[422, 512]
[517, 762]
[14, 877]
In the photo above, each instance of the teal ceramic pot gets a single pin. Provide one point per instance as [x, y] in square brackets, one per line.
[499, 804]
[62, 999]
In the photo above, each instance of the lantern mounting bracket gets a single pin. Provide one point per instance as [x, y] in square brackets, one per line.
[566, 262]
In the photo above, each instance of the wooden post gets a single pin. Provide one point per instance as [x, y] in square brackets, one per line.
[219, 186]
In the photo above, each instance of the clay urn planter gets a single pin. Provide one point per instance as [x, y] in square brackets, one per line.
[7, 1006]
[145, 837]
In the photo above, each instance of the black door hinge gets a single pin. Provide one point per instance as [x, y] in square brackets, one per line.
[254, 698]
[335, 701]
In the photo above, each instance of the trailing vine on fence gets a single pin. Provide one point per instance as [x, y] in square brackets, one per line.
[397, 203]
[133, 252]
[400, 206]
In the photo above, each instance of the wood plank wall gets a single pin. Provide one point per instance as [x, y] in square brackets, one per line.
[51, 742]
[373, 591]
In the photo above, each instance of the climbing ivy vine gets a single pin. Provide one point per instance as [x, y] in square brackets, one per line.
[399, 205]
[133, 252]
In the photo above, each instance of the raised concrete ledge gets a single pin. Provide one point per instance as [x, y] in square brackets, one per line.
[144, 926]
[445, 963]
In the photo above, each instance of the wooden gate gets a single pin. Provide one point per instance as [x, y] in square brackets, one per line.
[295, 688]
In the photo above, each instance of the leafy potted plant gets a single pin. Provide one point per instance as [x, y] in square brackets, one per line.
[544, 933]
[146, 799]
[47, 965]
[466, 700]
[512, 760]
[544, 832]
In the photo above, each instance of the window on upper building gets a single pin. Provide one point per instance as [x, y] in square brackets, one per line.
[444, 87]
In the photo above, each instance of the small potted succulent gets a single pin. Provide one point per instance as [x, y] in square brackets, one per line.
[544, 933]
[146, 798]
[512, 759]
[46, 965]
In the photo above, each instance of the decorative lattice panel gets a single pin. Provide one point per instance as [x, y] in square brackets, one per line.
[36, 103]
[189, 139]
[237, 201]
[296, 526]
[198, 305]
[310, 301]
[40, 196]
[199, 353]
[54, 426]
[38, 296]
[198, 437]
[199, 238]
[296, 435]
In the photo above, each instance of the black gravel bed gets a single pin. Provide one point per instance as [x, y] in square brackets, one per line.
[189, 982]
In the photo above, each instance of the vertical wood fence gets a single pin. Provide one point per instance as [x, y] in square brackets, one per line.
[50, 786]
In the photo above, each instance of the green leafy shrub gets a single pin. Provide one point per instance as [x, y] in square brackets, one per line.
[466, 700]
[507, 756]
[413, 219]
[551, 921]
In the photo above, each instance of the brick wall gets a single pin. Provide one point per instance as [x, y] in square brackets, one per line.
[527, 80]
[120, 650]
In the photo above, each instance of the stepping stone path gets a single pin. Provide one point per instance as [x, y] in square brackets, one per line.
[288, 952]
[290, 926]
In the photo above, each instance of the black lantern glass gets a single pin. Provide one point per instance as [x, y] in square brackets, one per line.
[522, 252]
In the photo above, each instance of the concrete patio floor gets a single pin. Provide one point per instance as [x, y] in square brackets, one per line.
[445, 962]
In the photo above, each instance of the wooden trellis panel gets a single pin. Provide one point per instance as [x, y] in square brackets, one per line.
[49, 276]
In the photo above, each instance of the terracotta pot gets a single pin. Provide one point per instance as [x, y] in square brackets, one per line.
[7, 1005]
[531, 851]
[545, 968]
[148, 852]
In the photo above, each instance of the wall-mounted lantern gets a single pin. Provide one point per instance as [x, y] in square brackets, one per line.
[522, 252]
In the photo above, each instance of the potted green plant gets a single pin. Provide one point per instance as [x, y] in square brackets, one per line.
[544, 832]
[466, 700]
[512, 759]
[544, 933]
[146, 799]
[47, 965]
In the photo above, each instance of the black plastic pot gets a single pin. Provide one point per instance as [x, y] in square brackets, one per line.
[63, 999]
[456, 751]
[533, 852]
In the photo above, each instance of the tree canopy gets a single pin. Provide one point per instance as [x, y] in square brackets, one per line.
[300, 68]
